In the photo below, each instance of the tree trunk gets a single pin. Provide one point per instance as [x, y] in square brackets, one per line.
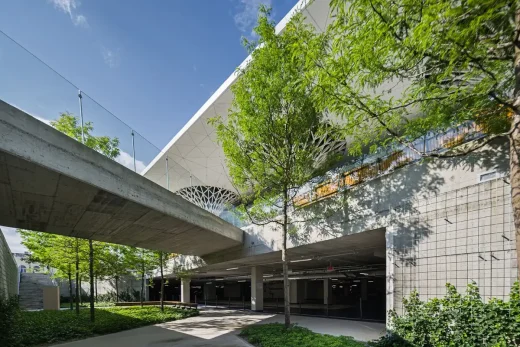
[96, 280]
[285, 267]
[91, 270]
[142, 285]
[80, 295]
[514, 142]
[117, 288]
[77, 277]
[162, 280]
[71, 296]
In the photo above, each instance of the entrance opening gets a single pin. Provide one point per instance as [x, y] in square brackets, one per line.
[342, 278]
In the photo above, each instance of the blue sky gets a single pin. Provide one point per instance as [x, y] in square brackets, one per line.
[151, 63]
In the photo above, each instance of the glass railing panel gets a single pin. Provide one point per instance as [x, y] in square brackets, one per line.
[28, 84]
[165, 168]
[113, 135]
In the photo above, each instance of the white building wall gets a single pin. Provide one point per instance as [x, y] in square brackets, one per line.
[443, 225]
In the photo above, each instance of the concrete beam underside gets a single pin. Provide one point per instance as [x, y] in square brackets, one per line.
[52, 183]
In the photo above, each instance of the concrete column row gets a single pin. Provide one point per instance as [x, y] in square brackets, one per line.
[257, 290]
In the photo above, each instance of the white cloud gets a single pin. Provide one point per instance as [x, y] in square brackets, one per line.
[80, 21]
[245, 18]
[127, 160]
[69, 7]
[13, 240]
[110, 57]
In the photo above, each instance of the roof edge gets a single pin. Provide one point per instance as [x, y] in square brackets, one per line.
[299, 6]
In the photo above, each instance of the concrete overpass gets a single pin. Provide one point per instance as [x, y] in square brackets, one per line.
[52, 183]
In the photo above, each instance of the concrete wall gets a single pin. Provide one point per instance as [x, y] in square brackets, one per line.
[468, 236]
[443, 225]
[378, 203]
[126, 284]
[8, 270]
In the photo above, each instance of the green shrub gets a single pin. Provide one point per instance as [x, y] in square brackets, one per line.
[275, 335]
[87, 304]
[9, 318]
[45, 327]
[456, 320]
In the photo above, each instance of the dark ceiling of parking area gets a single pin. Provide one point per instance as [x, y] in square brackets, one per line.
[365, 251]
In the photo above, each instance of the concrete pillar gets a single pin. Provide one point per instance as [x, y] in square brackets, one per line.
[257, 289]
[327, 291]
[185, 290]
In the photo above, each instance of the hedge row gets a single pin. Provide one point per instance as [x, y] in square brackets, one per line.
[275, 335]
[456, 320]
[31, 328]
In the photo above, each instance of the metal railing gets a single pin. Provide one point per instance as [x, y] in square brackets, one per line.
[36, 88]
[385, 161]
[42, 92]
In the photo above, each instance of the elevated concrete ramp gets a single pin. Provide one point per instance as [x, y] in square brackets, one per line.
[52, 183]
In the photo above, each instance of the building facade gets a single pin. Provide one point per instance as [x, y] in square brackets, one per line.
[402, 223]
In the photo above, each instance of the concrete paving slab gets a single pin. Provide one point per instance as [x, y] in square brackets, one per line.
[220, 328]
[211, 328]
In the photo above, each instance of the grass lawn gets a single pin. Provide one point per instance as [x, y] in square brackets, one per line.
[44, 327]
[275, 335]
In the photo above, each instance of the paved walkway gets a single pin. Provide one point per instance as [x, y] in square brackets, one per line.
[220, 328]
[359, 330]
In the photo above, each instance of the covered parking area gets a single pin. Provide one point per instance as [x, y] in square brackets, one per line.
[343, 278]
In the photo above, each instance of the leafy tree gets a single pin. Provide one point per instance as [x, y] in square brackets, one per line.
[80, 249]
[68, 124]
[55, 251]
[162, 259]
[115, 260]
[381, 62]
[269, 135]
[143, 261]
